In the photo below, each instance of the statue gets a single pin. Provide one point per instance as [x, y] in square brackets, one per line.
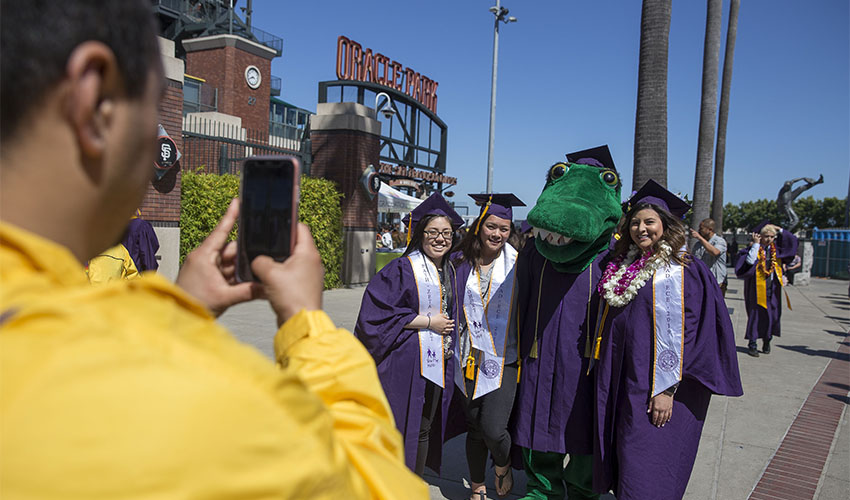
[787, 196]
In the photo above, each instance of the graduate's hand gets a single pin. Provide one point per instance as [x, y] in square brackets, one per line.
[755, 238]
[660, 409]
[209, 271]
[297, 282]
[442, 324]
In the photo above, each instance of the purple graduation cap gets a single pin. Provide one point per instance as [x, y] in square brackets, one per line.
[498, 204]
[599, 156]
[433, 205]
[654, 193]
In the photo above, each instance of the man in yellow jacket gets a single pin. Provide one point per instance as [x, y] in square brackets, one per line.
[132, 390]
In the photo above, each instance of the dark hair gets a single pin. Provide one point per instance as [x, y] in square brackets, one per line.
[470, 245]
[674, 233]
[38, 36]
[418, 235]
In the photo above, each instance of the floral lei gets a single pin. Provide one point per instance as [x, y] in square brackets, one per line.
[620, 283]
[762, 261]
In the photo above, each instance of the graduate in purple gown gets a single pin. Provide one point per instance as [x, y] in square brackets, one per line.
[557, 272]
[760, 265]
[406, 322]
[486, 352]
[141, 243]
[666, 345]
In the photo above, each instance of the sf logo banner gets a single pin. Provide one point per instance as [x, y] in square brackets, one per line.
[371, 181]
[167, 154]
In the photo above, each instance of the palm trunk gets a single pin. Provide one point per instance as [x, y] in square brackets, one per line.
[723, 117]
[708, 111]
[650, 160]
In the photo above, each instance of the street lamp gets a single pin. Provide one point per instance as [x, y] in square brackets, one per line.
[388, 111]
[500, 13]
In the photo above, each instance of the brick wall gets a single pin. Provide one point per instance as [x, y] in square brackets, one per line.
[224, 69]
[341, 156]
[162, 201]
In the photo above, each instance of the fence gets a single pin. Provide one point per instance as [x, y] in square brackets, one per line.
[219, 147]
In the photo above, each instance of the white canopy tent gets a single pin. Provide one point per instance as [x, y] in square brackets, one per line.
[393, 200]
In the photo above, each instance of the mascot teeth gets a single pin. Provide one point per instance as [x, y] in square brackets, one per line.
[551, 237]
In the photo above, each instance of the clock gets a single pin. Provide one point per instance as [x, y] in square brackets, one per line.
[253, 77]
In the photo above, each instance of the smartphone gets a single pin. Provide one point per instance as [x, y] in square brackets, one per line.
[269, 211]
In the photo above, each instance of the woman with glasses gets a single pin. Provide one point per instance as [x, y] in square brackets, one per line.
[486, 371]
[406, 323]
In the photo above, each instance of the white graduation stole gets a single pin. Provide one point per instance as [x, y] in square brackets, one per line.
[429, 288]
[487, 320]
[669, 319]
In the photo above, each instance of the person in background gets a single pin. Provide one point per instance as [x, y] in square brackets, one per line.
[667, 346]
[387, 238]
[760, 266]
[407, 323]
[711, 249]
[793, 268]
[141, 243]
[113, 264]
[133, 390]
[487, 361]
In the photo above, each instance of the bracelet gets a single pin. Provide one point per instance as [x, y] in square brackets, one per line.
[429, 323]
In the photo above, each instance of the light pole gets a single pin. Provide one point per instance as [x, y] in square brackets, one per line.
[500, 13]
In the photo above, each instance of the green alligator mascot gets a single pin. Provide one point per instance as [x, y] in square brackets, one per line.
[573, 222]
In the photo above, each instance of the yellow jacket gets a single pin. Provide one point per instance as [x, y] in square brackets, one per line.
[131, 390]
[114, 264]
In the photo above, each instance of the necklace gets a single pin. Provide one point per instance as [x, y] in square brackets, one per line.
[621, 281]
[763, 259]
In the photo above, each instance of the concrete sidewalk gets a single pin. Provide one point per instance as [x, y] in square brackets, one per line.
[741, 435]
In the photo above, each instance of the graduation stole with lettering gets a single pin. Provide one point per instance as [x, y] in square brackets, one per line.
[429, 289]
[668, 315]
[487, 320]
[762, 273]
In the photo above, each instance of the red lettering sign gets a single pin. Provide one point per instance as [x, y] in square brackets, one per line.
[353, 62]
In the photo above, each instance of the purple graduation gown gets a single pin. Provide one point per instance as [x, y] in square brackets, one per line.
[631, 456]
[764, 323]
[554, 410]
[141, 243]
[391, 301]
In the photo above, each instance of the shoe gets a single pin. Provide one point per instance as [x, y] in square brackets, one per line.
[477, 495]
[504, 482]
[753, 351]
[765, 347]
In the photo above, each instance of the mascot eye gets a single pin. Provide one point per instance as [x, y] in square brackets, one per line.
[557, 171]
[610, 178]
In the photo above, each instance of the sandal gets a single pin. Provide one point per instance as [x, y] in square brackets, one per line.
[477, 495]
[502, 479]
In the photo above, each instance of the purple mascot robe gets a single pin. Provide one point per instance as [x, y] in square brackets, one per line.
[554, 410]
[391, 301]
[631, 456]
[764, 323]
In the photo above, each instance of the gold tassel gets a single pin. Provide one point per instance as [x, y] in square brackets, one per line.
[470, 366]
[483, 213]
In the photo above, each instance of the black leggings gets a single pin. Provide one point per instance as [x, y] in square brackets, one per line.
[487, 424]
[433, 398]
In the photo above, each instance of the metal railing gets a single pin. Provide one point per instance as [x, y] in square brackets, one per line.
[269, 40]
[276, 85]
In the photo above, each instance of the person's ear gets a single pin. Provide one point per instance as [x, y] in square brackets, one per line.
[94, 84]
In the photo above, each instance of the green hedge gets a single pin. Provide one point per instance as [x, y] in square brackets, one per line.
[205, 197]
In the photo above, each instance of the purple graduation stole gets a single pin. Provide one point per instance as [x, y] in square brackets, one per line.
[668, 316]
[429, 289]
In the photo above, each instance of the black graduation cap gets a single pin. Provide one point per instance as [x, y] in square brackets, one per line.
[599, 156]
[433, 205]
[498, 204]
[654, 193]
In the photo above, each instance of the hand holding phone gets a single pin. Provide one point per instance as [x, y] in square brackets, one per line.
[269, 211]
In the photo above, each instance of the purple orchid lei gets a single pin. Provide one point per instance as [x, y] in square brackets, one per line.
[628, 276]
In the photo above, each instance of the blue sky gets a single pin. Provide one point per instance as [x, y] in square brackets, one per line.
[568, 80]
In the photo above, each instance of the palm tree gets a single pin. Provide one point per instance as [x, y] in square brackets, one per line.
[723, 117]
[707, 111]
[651, 115]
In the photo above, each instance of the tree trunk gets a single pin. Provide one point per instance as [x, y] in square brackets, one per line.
[723, 117]
[707, 112]
[650, 160]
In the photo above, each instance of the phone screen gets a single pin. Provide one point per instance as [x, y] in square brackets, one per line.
[266, 213]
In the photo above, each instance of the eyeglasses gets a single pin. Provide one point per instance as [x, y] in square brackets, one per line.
[433, 233]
